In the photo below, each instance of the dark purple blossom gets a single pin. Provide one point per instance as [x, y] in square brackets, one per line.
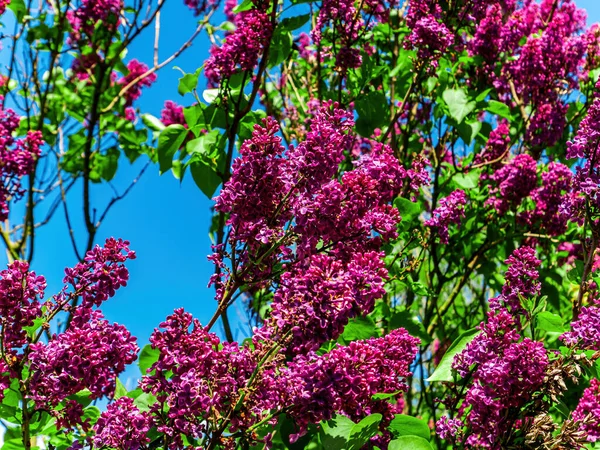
[585, 331]
[122, 426]
[514, 182]
[587, 412]
[450, 210]
[90, 354]
[344, 380]
[136, 70]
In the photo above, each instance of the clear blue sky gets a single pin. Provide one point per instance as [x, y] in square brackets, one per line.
[166, 222]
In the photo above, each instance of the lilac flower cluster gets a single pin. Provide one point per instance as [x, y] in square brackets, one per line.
[496, 149]
[345, 380]
[90, 354]
[122, 425]
[19, 305]
[136, 69]
[207, 375]
[521, 280]
[287, 207]
[550, 200]
[101, 273]
[242, 47]
[450, 210]
[585, 331]
[587, 412]
[84, 18]
[513, 183]
[18, 158]
[586, 183]
[504, 372]
[504, 369]
[316, 301]
[172, 114]
[431, 38]
[529, 51]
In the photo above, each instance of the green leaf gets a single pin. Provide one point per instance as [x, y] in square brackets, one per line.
[281, 46]
[32, 329]
[120, 390]
[152, 122]
[576, 273]
[246, 5]
[293, 23]
[468, 130]
[385, 396]
[358, 329]
[363, 431]
[13, 444]
[336, 433]
[547, 321]
[403, 425]
[410, 443]
[469, 180]
[170, 140]
[188, 82]
[204, 145]
[18, 8]
[204, 176]
[459, 105]
[373, 112]
[408, 210]
[499, 108]
[148, 356]
[443, 371]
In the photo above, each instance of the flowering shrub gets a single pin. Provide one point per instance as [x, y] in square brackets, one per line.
[406, 204]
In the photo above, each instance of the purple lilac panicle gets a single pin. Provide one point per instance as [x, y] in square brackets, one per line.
[101, 273]
[344, 380]
[450, 210]
[585, 331]
[18, 157]
[19, 305]
[122, 425]
[521, 280]
[505, 371]
[90, 354]
[587, 412]
[207, 375]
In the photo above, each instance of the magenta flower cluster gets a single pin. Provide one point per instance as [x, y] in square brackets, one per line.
[587, 412]
[18, 156]
[242, 47]
[450, 210]
[89, 354]
[585, 330]
[505, 370]
[198, 378]
[172, 114]
[346, 379]
[122, 425]
[527, 56]
[288, 207]
[521, 280]
[512, 183]
[502, 368]
[136, 70]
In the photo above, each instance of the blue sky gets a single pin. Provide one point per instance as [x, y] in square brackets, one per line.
[166, 222]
